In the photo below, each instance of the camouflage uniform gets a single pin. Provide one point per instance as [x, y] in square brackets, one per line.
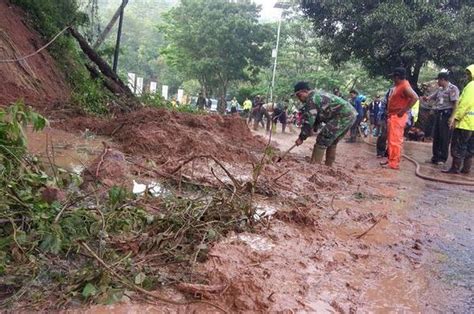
[337, 114]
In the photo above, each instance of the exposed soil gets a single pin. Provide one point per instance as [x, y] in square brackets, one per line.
[37, 80]
[167, 137]
[307, 256]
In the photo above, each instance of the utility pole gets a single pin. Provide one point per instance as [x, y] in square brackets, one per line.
[283, 5]
[119, 36]
[276, 60]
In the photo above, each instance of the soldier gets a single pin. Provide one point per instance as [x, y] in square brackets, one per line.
[320, 107]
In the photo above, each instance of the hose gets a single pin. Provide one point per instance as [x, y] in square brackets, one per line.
[419, 174]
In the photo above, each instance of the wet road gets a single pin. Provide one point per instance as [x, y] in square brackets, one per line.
[447, 212]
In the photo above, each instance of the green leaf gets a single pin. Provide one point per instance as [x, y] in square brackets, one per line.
[140, 278]
[89, 290]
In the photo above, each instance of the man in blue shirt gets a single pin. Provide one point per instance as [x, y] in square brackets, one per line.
[356, 101]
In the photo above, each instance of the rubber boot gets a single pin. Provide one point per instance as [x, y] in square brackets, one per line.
[318, 154]
[466, 169]
[455, 166]
[331, 155]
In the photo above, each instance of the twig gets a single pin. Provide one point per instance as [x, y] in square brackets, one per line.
[140, 289]
[372, 227]
[106, 149]
[280, 176]
[333, 209]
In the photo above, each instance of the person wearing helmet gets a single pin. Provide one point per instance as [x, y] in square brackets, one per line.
[319, 107]
[462, 121]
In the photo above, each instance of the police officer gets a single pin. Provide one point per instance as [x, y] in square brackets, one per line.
[445, 99]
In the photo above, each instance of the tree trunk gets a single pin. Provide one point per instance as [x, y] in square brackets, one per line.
[414, 76]
[104, 68]
[222, 104]
[108, 83]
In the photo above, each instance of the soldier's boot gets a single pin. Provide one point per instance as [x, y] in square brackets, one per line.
[318, 154]
[454, 167]
[466, 169]
[331, 155]
[283, 128]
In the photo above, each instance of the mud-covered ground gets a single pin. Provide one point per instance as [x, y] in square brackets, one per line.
[308, 254]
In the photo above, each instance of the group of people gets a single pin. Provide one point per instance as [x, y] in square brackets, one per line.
[335, 117]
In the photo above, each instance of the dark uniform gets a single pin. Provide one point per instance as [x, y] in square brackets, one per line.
[337, 114]
[445, 99]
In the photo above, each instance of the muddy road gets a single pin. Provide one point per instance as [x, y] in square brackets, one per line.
[357, 238]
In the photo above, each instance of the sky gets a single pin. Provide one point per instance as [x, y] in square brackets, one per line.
[269, 13]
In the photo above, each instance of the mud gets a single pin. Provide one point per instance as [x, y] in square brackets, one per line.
[306, 256]
[169, 137]
[37, 80]
[72, 152]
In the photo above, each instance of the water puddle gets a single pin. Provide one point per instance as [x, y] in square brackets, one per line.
[65, 150]
[254, 241]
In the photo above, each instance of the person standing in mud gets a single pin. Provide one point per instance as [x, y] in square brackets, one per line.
[446, 99]
[381, 118]
[201, 102]
[462, 121]
[259, 113]
[319, 107]
[279, 114]
[356, 101]
[401, 100]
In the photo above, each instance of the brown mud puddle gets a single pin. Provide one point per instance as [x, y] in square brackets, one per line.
[65, 150]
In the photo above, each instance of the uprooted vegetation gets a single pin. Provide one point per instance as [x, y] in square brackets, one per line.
[54, 235]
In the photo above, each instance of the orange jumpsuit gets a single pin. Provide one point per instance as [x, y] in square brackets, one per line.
[395, 124]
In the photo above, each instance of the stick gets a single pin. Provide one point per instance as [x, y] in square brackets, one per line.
[286, 153]
[281, 175]
[372, 227]
[106, 149]
[140, 289]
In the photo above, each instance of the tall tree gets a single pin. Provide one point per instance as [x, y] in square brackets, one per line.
[216, 42]
[384, 34]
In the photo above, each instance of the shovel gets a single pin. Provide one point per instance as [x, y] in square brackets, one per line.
[285, 153]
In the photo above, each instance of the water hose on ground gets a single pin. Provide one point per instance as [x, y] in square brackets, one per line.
[419, 174]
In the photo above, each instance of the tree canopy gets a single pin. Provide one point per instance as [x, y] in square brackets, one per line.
[384, 34]
[216, 42]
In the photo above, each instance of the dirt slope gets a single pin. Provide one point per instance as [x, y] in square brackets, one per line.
[38, 79]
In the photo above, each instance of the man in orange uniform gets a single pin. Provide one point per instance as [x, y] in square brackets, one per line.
[402, 98]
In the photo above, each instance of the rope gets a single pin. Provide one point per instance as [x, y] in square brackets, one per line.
[419, 174]
[37, 51]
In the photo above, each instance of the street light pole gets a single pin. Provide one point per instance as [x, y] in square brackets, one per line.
[119, 36]
[276, 60]
[283, 5]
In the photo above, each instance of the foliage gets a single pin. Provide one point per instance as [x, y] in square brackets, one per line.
[300, 59]
[159, 102]
[13, 120]
[216, 42]
[141, 40]
[50, 16]
[44, 243]
[385, 34]
[89, 94]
